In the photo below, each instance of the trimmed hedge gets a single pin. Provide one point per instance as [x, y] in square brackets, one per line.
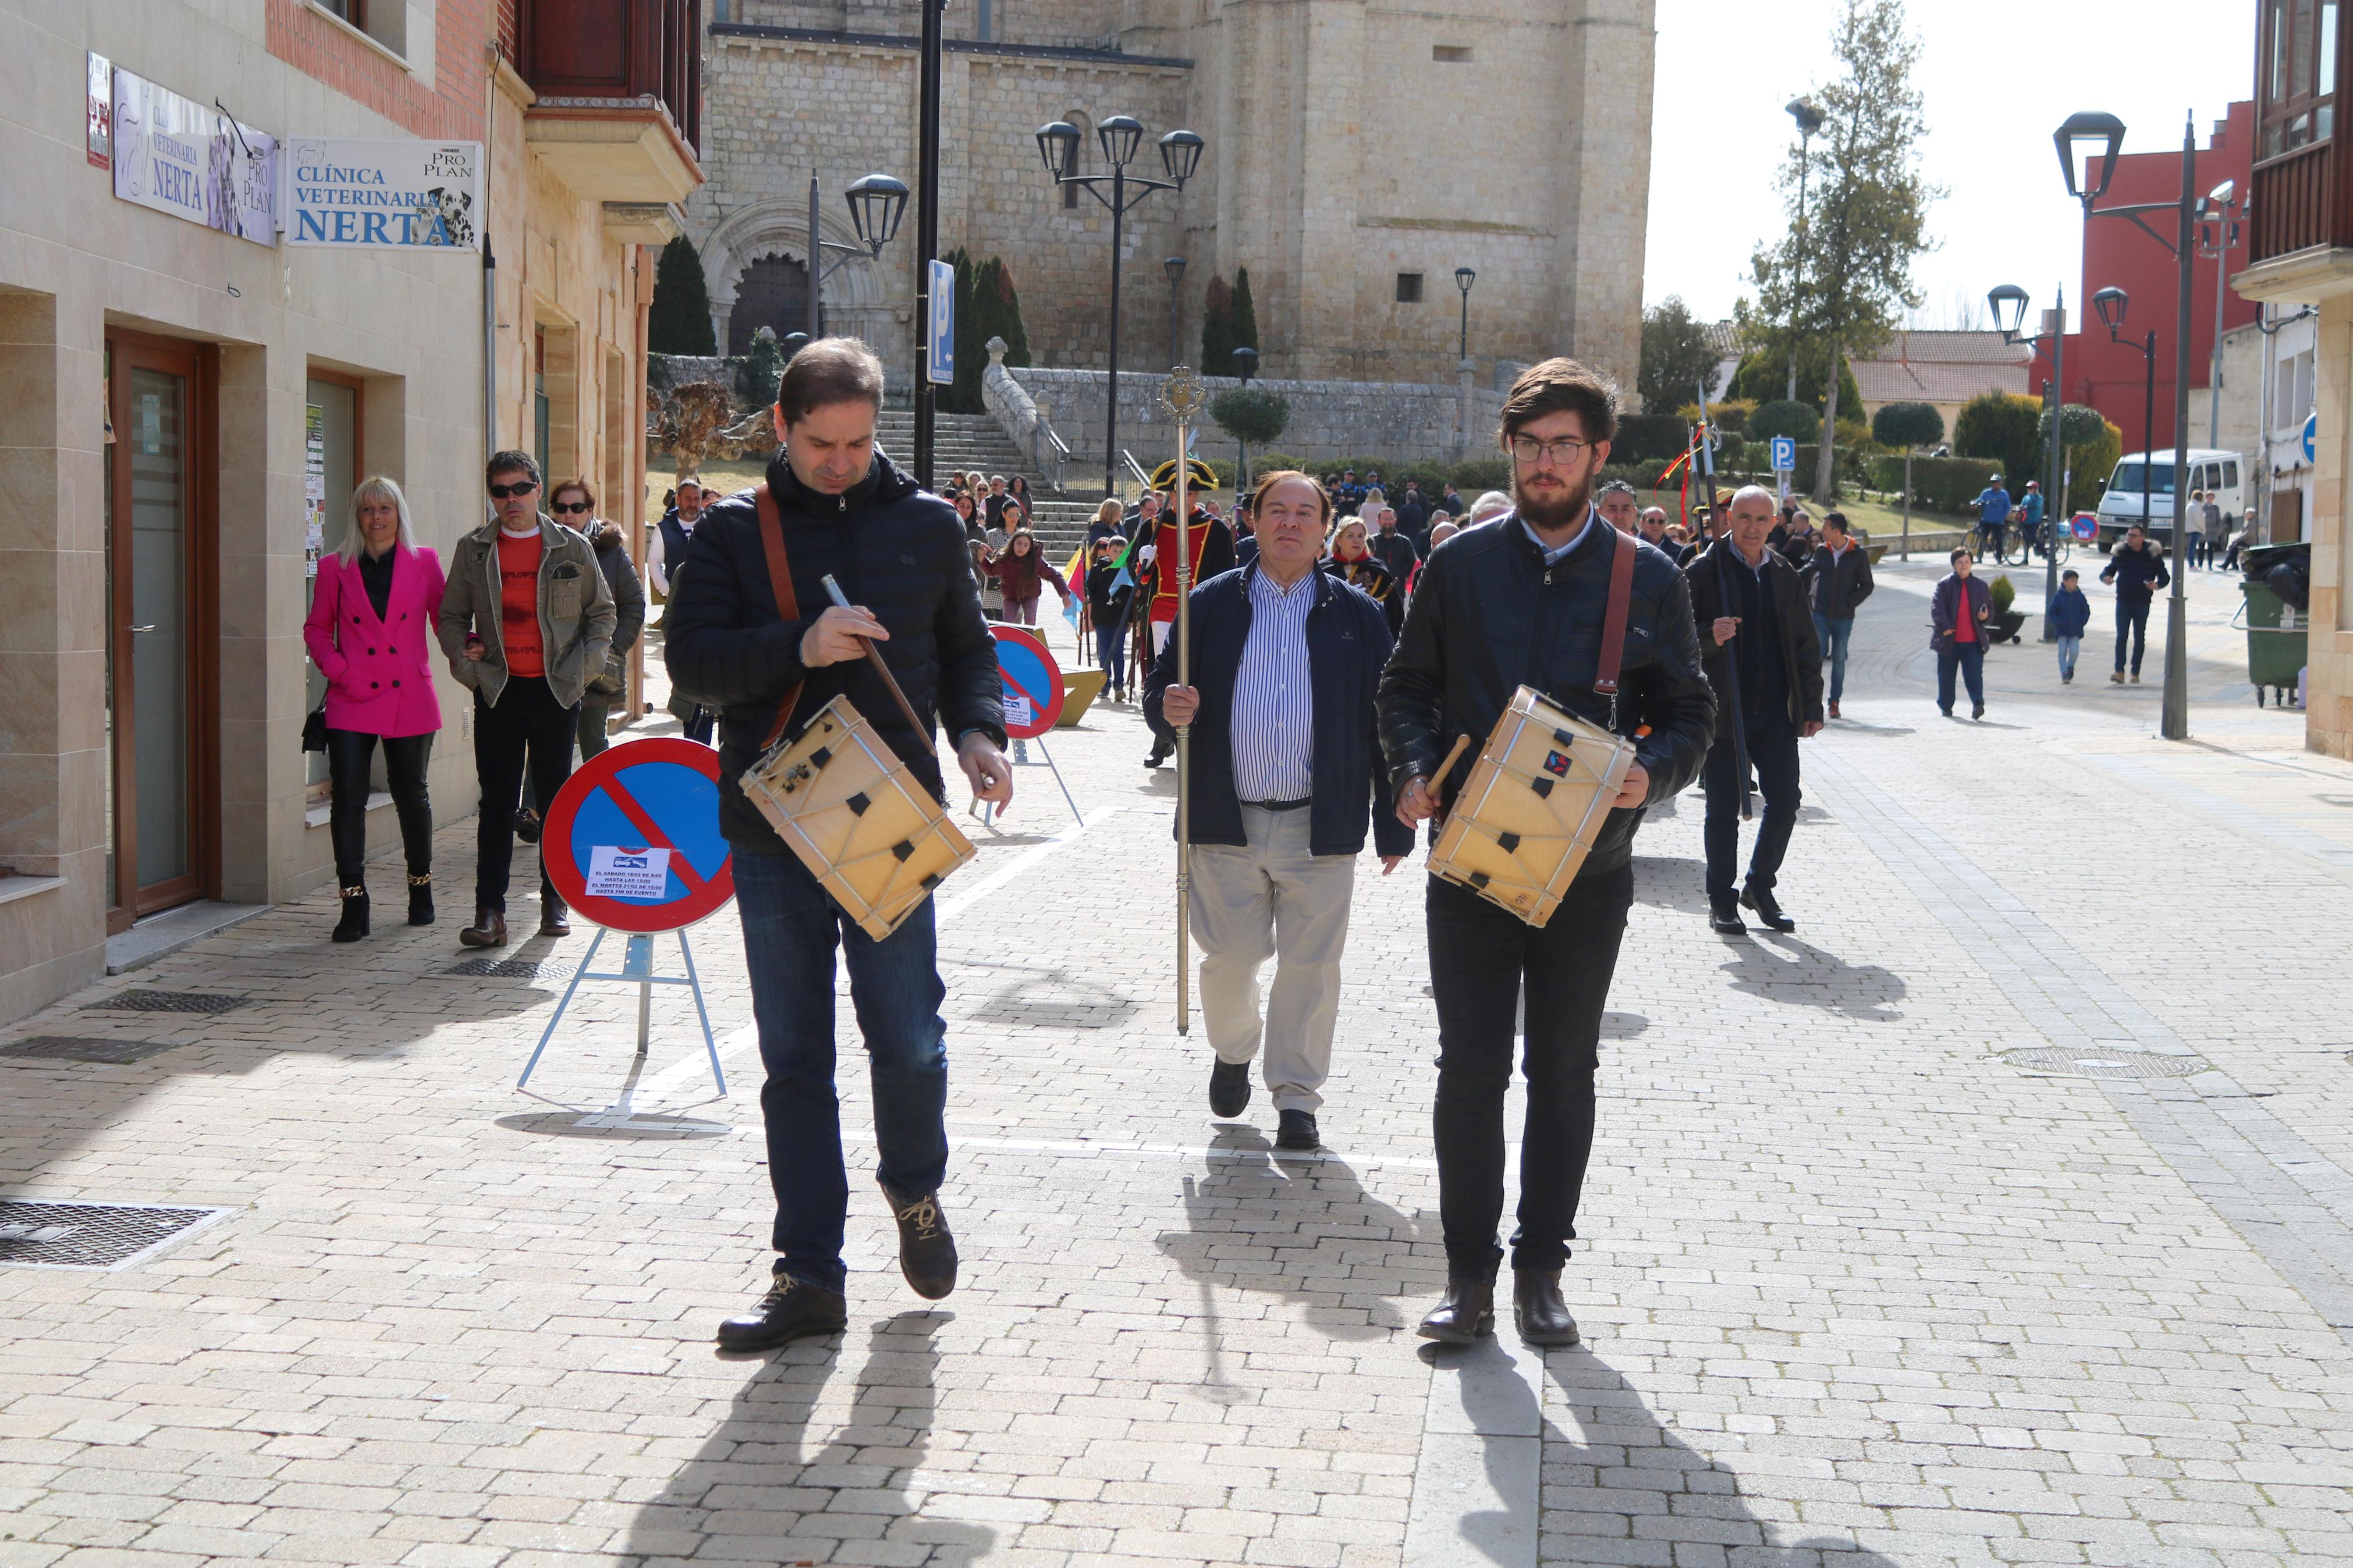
[1649, 437]
[1939, 484]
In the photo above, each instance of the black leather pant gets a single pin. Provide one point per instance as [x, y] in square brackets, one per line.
[350, 755]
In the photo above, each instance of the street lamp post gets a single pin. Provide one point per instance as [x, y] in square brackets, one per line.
[2112, 303]
[2009, 303]
[1180, 156]
[1463, 278]
[1175, 268]
[927, 223]
[1245, 363]
[877, 203]
[2080, 138]
[1809, 119]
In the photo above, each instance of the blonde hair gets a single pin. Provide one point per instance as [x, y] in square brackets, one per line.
[1331, 545]
[1110, 511]
[374, 488]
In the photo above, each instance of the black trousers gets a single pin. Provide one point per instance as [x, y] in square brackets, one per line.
[351, 758]
[2132, 626]
[527, 725]
[1480, 959]
[1773, 752]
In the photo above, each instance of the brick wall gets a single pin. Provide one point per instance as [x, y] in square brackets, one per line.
[450, 109]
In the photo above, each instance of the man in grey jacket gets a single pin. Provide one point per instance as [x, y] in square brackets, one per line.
[526, 620]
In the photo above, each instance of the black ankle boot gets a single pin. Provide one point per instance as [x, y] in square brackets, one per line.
[354, 923]
[420, 899]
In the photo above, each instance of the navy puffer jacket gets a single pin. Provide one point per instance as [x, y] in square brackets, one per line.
[895, 550]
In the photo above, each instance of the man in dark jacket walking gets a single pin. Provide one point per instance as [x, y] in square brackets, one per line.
[1286, 769]
[1765, 665]
[2137, 569]
[1839, 579]
[1524, 599]
[900, 556]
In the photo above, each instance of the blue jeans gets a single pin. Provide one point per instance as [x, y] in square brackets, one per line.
[791, 926]
[2068, 649]
[1111, 652]
[1969, 657]
[1834, 636]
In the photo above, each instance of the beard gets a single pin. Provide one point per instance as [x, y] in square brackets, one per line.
[1554, 507]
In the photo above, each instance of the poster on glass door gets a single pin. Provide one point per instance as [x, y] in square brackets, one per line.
[181, 157]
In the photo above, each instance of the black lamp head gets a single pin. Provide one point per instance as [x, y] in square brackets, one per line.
[1181, 154]
[1120, 136]
[2007, 303]
[877, 203]
[1059, 144]
[2080, 139]
[1809, 118]
[1175, 268]
[2111, 303]
[1463, 278]
[1245, 361]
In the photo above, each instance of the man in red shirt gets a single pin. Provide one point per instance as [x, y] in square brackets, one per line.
[1210, 545]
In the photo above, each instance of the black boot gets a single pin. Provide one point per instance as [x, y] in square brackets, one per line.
[927, 1254]
[1468, 1312]
[790, 1311]
[1767, 908]
[1536, 1303]
[420, 899]
[1724, 918]
[1229, 1089]
[354, 923]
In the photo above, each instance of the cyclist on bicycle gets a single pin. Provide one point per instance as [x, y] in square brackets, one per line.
[2029, 520]
[1993, 516]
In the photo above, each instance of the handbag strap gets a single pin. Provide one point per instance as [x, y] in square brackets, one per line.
[1613, 625]
[780, 583]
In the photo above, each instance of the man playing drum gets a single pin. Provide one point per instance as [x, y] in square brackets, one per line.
[899, 555]
[1524, 599]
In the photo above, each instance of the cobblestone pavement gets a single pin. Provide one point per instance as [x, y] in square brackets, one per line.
[1863, 1284]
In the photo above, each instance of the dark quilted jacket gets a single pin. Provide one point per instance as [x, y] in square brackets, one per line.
[1489, 616]
[895, 550]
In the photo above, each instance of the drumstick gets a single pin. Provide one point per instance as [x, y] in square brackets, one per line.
[1447, 766]
[880, 668]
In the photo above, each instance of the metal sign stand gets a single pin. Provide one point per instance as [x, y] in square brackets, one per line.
[637, 969]
[1020, 759]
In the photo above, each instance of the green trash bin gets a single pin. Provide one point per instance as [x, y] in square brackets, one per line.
[2276, 642]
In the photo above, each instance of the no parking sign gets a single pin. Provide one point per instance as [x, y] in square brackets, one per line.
[632, 841]
[1033, 683]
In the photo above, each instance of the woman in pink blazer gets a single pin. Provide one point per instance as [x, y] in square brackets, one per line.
[371, 625]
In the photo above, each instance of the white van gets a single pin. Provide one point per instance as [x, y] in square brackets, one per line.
[2120, 504]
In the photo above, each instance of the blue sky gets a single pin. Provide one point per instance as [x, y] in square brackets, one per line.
[1997, 76]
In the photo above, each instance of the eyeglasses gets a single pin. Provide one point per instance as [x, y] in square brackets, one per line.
[1562, 452]
[523, 488]
[566, 505]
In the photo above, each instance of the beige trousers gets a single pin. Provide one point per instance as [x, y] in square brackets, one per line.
[1271, 899]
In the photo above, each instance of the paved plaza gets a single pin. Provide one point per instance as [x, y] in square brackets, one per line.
[2001, 1214]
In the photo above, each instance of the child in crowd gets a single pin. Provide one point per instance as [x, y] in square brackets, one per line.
[2071, 614]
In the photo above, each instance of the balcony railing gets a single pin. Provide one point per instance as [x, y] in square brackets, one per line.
[2299, 202]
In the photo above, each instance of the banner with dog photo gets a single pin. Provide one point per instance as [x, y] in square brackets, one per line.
[352, 194]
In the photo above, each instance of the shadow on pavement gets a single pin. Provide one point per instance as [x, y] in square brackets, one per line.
[771, 1486]
[1780, 968]
[1671, 882]
[1615, 1475]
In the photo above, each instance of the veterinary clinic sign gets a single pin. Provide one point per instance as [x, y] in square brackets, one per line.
[353, 194]
[185, 158]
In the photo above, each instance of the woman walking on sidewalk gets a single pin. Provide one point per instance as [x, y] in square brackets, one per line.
[1958, 613]
[369, 627]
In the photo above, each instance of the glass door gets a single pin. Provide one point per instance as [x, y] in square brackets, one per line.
[157, 842]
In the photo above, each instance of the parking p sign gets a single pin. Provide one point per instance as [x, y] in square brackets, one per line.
[1784, 455]
[939, 325]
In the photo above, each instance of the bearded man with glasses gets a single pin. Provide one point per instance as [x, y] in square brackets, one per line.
[1523, 599]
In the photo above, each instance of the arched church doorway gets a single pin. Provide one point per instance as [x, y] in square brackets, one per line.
[773, 292]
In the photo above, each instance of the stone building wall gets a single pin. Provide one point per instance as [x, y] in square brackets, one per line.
[1347, 144]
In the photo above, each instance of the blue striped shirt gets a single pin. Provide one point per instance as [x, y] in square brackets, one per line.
[1272, 729]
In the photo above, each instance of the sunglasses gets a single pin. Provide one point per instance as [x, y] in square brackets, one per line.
[501, 492]
[566, 505]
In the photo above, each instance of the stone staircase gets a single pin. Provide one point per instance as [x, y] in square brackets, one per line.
[967, 441]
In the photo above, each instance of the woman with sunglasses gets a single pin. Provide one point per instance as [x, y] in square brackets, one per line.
[367, 632]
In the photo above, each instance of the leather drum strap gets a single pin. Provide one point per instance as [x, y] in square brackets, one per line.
[788, 605]
[1613, 625]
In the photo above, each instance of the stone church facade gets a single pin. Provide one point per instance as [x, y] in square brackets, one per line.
[1359, 152]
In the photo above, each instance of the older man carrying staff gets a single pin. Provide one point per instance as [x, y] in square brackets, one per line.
[1286, 758]
[1766, 664]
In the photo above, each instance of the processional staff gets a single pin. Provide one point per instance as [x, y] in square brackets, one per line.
[1183, 397]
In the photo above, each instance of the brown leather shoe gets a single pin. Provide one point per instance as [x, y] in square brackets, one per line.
[489, 930]
[1467, 1312]
[554, 920]
[1536, 1303]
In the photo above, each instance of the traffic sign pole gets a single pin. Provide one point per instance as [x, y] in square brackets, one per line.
[1033, 701]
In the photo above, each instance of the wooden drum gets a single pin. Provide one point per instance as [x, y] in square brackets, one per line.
[1534, 803]
[863, 824]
